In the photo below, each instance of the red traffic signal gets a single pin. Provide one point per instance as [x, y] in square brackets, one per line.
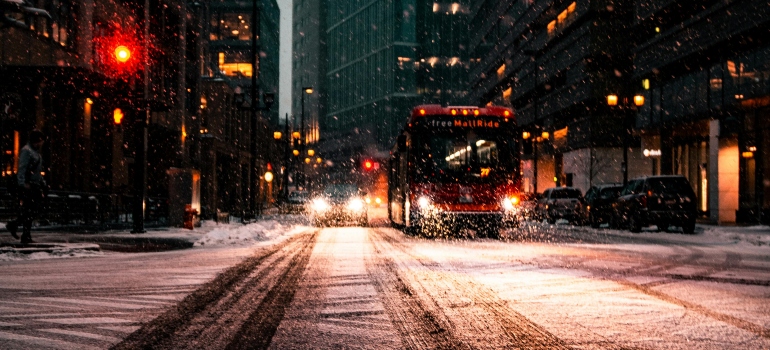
[118, 55]
[122, 54]
[369, 165]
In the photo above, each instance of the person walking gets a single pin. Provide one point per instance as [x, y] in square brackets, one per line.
[32, 186]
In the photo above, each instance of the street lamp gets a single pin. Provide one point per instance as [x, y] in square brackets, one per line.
[307, 90]
[624, 104]
[526, 135]
[277, 135]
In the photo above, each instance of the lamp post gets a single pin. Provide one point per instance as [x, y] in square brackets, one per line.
[286, 144]
[624, 104]
[307, 90]
[536, 139]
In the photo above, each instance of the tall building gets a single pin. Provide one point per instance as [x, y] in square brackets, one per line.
[234, 149]
[709, 90]
[308, 67]
[381, 59]
[58, 77]
[606, 91]
[555, 62]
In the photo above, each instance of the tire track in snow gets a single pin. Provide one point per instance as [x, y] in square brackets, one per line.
[419, 325]
[472, 315]
[211, 316]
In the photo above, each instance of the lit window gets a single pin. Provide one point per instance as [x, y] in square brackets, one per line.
[501, 70]
[455, 7]
[507, 93]
[562, 17]
[435, 7]
[646, 84]
[571, 7]
[551, 27]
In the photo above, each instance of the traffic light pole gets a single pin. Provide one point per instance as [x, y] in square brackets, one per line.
[142, 120]
[286, 158]
[254, 185]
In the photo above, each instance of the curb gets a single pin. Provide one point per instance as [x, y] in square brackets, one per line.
[46, 247]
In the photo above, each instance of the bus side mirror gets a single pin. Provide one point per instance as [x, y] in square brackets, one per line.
[401, 142]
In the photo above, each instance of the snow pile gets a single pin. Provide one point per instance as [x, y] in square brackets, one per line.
[758, 235]
[246, 235]
[58, 253]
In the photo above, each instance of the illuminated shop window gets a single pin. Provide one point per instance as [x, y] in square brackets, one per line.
[234, 64]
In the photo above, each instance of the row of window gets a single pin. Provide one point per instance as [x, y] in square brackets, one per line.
[59, 28]
[230, 26]
[726, 83]
[370, 30]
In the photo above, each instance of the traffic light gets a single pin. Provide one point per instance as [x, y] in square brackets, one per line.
[369, 165]
[117, 116]
[118, 55]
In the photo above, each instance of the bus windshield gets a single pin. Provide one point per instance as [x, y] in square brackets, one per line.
[465, 157]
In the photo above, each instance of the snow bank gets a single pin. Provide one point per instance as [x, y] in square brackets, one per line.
[246, 235]
[58, 253]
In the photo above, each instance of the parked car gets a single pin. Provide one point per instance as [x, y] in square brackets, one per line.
[599, 200]
[664, 201]
[339, 203]
[296, 202]
[561, 203]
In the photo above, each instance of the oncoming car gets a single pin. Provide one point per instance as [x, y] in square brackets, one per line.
[339, 203]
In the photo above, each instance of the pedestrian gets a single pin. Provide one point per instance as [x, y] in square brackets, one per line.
[32, 186]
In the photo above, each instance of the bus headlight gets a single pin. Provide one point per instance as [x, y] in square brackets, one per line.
[423, 202]
[356, 204]
[510, 203]
[320, 204]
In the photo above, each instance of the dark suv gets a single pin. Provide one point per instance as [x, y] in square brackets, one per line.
[657, 200]
[599, 200]
[561, 203]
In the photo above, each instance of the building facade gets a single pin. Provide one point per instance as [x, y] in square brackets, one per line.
[555, 62]
[234, 150]
[55, 79]
[382, 58]
[308, 67]
[688, 83]
[709, 88]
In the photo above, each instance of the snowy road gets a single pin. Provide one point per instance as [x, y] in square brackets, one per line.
[542, 286]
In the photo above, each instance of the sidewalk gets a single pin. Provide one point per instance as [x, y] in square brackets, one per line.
[51, 240]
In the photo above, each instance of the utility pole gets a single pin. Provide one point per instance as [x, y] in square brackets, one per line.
[140, 176]
[254, 183]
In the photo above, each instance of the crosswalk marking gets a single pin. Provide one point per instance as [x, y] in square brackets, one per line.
[138, 301]
[86, 320]
[44, 342]
[81, 334]
[94, 303]
[121, 329]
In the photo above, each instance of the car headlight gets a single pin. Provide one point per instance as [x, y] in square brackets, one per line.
[356, 204]
[511, 202]
[423, 202]
[320, 204]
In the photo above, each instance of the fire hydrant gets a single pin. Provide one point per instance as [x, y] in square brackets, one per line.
[189, 216]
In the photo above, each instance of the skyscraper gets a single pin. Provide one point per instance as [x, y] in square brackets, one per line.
[381, 59]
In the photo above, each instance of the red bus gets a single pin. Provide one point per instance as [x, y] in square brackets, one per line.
[454, 168]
